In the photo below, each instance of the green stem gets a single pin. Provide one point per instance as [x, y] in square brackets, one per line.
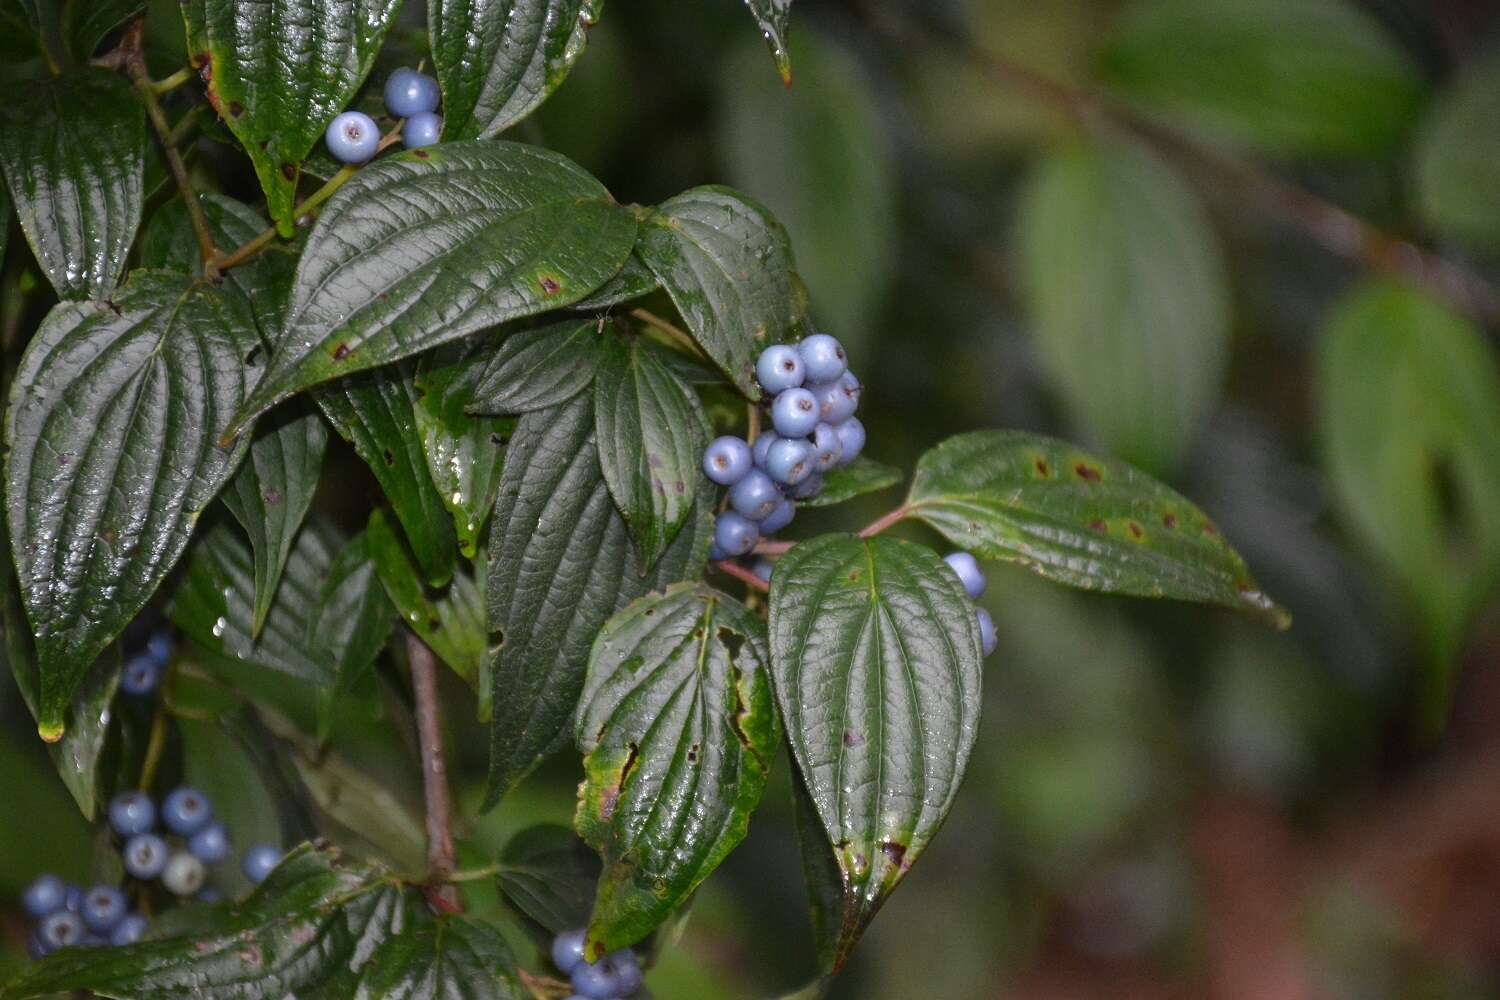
[155, 744]
[185, 125]
[475, 874]
[673, 332]
[171, 83]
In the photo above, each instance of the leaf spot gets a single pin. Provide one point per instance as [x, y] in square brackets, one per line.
[341, 351]
[1169, 520]
[853, 738]
[550, 285]
[1135, 530]
[288, 171]
[1086, 472]
[1043, 469]
[390, 459]
[1098, 525]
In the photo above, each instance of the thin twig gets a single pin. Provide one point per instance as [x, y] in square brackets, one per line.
[439, 805]
[1334, 228]
[155, 744]
[186, 124]
[884, 521]
[170, 83]
[772, 547]
[134, 60]
[676, 333]
[742, 574]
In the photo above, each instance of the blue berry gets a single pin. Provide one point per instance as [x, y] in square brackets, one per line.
[567, 950]
[987, 637]
[104, 906]
[734, 534]
[794, 413]
[185, 811]
[626, 969]
[827, 448]
[60, 929]
[409, 93]
[159, 647]
[809, 487]
[421, 129]
[128, 930]
[790, 460]
[131, 813]
[852, 436]
[835, 402]
[595, 980]
[823, 357]
[46, 894]
[762, 568]
[184, 874]
[140, 676]
[259, 862]
[352, 137]
[73, 898]
[778, 518]
[716, 554]
[145, 855]
[761, 446]
[753, 497]
[210, 844]
[727, 460]
[779, 368]
[967, 568]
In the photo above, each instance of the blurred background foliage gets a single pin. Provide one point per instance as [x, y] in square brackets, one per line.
[1250, 245]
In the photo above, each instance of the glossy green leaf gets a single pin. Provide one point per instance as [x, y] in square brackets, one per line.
[86, 22]
[349, 625]
[214, 603]
[317, 917]
[446, 957]
[113, 418]
[1458, 157]
[538, 368]
[1128, 298]
[560, 564]
[1288, 76]
[548, 875]
[1411, 426]
[1088, 522]
[169, 241]
[818, 156]
[677, 727]
[863, 475]
[633, 281]
[277, 73]
[727, 265]
[463, 451]
[875, 655]
[375, 412]
[774, 18]
[651, 433]
[450, 619]
[498, 60]
[73, 149]
[435, 244]
[272, 491]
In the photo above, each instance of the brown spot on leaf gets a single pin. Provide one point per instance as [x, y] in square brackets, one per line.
[1169, 520]
[1043, 469]
[1135, 530]
[272, 496]
[550, 285]
[1209, 529]
[341, 351]
[390, 459]
[895, 851]
[289, 171]
[236, 109]
[1098, 525]
[1085, 471]
[852, 738]
[421, 154]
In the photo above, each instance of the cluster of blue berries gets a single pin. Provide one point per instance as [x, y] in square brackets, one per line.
[174, 844]
[353, 137]
[143, 670]
[814, 429]
[614, 977]
[969, 574]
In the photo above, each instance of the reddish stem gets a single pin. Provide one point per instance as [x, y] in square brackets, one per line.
[887, 519]
[742, 574]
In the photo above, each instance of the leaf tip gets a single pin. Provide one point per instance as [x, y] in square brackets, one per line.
[50, 730]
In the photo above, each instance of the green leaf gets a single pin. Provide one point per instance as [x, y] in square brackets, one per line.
[818, 156]
[560, 564]
[498, 60]
[449, 619]
[169, 241]
[214, 603]
[539, 368]
[1458, 157]
[227, 760]
[1128, 297]
[1289, 76]
[349, 625]
[463, 452]
[651, 433]
[774, 18]
[677, 727]
[73, 149]
[1088, 522]
[548, 875]
[863, 475]
[112, 422]
[435, 244]
[447, 957]
[317, 917]
[86, 22]
[278, 73]
[375, 412]
[727, 265]
[875, 655]
[1410, 418]
[633, 281]
[272, 491]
